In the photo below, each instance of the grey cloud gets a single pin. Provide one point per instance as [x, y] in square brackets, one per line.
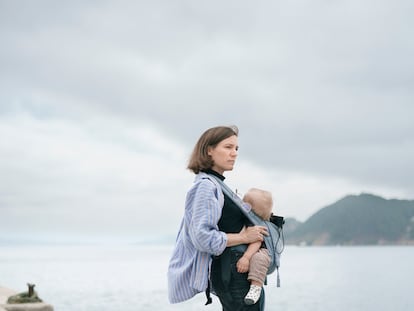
[319, 87]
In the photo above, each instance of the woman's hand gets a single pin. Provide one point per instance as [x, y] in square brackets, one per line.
[253, 234]
[246, 236]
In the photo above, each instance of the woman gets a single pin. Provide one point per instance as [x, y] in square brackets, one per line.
[212, 225]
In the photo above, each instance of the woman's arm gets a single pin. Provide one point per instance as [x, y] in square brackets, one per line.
[247, 235]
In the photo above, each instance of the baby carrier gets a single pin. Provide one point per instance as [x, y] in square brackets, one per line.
[274, 241]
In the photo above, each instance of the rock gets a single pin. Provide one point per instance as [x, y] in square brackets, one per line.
[29, 297]
[5, 293]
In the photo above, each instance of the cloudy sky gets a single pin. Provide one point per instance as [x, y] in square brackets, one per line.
[101, 103]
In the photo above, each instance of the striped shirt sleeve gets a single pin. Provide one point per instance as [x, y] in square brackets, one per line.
[203, 228]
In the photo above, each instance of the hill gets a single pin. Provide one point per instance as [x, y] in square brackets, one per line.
[363, 219]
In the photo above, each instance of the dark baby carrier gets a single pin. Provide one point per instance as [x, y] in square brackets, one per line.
[274, 241]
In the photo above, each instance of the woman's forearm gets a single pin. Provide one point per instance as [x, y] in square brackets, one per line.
[235, 239]
[246, 236]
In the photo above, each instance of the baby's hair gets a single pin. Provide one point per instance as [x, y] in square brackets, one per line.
[261, 202]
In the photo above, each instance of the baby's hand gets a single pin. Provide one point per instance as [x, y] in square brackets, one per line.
[243, 265]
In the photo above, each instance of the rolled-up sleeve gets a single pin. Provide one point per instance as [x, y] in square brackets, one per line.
[206, 212]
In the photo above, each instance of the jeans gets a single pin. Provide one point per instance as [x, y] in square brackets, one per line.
[230, 286]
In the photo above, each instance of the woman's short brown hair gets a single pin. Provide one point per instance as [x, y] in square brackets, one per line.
[200, 160]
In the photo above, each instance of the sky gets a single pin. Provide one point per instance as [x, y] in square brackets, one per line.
[101, 103]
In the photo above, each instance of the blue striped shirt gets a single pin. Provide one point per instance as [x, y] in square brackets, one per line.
[198, 239]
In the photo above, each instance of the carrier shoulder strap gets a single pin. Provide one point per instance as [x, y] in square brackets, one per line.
[235, 198]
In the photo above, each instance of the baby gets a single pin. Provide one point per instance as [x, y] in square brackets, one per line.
[256, 258]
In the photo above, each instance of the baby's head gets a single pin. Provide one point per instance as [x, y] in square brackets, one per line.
[261, 202]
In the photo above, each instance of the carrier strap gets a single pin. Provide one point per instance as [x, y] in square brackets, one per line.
[208, 295]
[278, 277]
[232, 196]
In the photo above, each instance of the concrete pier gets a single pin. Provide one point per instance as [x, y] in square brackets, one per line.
[5, 293]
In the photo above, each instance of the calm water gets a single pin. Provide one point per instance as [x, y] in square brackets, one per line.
[127, 278]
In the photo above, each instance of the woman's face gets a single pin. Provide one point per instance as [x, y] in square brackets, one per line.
[224, 154]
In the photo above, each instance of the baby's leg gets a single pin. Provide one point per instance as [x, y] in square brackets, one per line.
[259, 264]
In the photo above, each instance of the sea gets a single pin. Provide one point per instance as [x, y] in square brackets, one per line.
[133, 277]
